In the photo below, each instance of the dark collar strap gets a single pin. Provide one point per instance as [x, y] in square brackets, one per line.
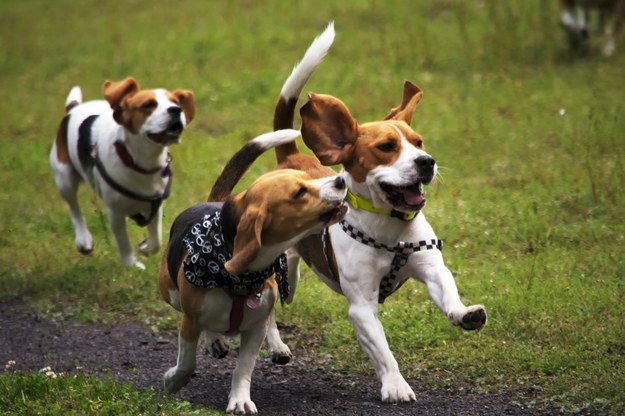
[129, 161]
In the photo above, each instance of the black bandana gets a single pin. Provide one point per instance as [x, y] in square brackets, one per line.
[207, 254]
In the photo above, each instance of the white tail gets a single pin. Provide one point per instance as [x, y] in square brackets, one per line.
[275, 138]
[304, 69]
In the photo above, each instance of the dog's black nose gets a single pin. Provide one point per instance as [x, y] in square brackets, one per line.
[339, 183]
[425, 162]
[174, 111]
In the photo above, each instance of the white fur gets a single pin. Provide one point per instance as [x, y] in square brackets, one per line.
[275, 138]
[362, 267]
[312, 58]
[147, 154]
[75, 94]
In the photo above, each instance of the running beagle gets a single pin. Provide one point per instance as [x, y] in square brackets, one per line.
[224, 266]
[384, 239]
[119, 147]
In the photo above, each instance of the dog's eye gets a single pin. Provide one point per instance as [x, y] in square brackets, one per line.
[149, 105]
[420, 144]
[388, 146]
[300, 192]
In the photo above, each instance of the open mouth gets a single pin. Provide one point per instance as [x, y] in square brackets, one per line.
[334, 215]
[405, 198]
[169, 135]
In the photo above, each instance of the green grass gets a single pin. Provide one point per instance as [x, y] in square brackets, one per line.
[529, 137]
[78, 395]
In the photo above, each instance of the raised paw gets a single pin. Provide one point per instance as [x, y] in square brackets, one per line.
[241, 406]
[281, 357]
[397, 391]
[474, 319]
[146, 247]
[174, 380]
[218, 348]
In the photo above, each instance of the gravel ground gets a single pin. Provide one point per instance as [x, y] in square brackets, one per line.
[132, 353]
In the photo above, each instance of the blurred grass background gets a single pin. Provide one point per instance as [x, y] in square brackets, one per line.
[529, 137]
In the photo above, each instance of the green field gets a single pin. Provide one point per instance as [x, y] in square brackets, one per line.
[530, 138]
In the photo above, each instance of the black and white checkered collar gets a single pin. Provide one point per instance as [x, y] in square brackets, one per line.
[390, 283]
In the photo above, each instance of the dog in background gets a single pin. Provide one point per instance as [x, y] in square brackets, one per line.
[574, 16]
[224, 266]
[119, 147]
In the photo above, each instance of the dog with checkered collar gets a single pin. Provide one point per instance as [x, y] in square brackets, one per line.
[119, 146]
[224, 266]
[385, 238]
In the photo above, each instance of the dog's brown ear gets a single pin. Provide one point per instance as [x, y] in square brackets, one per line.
[185, 98]
[412, 95]
[115, 92]
[328, 129]
[248, 239]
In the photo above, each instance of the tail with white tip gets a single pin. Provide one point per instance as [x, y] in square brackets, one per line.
[285, 108]
[243, 159]
[73, 98]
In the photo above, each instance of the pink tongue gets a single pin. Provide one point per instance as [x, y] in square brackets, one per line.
[413, 198]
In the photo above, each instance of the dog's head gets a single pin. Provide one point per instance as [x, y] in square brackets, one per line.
[279, 209]
[157, 114]
[387, 156]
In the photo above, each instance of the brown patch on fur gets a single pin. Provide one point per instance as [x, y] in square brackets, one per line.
[283, 119]
[331, 132]
[62, 151]
[184, 98]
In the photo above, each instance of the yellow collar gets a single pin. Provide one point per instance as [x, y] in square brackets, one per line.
[359, 202]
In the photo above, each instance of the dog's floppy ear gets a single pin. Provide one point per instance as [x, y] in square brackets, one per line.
[185, 98]
[114, 92]
[248, 239]
[328, 129]
[412, 95]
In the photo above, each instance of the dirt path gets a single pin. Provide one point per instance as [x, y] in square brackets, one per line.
[133, 353]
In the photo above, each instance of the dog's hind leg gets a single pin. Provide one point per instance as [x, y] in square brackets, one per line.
[279, 352]
[177, 377]
[67, 181]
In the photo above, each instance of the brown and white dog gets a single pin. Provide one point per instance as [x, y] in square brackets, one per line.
[257, 226]
[574, 19]
[385, 165]
[119, 147]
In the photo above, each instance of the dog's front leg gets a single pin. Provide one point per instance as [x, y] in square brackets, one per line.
[117, 222]
[430, 268]
[363, 311]
[152, 244]
[239, 400]
[279, 352]
[177, 377]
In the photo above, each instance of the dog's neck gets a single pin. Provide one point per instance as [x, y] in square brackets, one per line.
[144, 151]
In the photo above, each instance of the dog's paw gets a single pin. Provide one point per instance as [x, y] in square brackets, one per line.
[241, 406]
[84, 244]
[147, 248]
[473, 318]
[397, 391]
[218, 348]
[174, 380]
[281, 356]
[139, 265]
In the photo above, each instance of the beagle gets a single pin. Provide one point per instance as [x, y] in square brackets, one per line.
[384, 239]
[119, 147]
[574, 16]
[224, 266]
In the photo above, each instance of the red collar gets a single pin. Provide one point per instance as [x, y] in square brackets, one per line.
[129, 161]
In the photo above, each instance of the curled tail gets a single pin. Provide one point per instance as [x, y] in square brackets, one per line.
[241, 161]
[73, 98]
[285, 108]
